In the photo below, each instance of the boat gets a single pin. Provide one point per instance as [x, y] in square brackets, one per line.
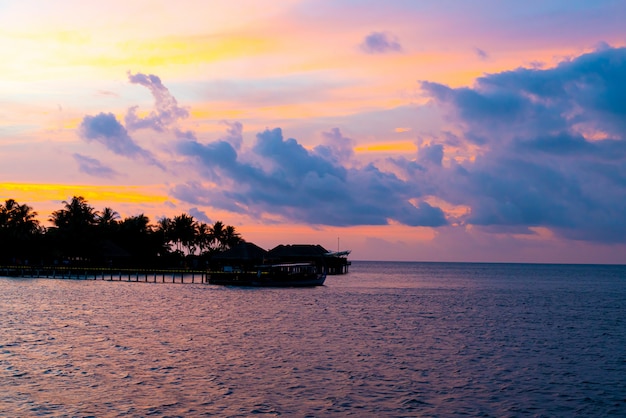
[273, 275]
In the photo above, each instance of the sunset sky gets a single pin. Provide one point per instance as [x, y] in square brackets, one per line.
[414, 130]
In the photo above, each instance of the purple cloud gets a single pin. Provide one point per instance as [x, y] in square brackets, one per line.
[553, 148]
[430, 154]
[380, 43]
[199, 215]
[481, 54]
[275, 176]
[166, 112]
[94, 167]
[308, 186]
[107, 130]
[549, 150]
[234, 134]
[336, 147]
[291, 159]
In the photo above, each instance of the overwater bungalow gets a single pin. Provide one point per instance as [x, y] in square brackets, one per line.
[241, 257]
[246, 255]
[333, 262]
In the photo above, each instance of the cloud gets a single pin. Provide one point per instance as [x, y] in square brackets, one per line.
[199, 215]
[530, 149]
[107, 130]
[213, 156]
[279, 177]
[166, 110]
[380, 43]
[93, 167]
[432, 154]
[291, 159]
[481, 54]
[274, 178]
[234, 134]
[336, 148]
[552, 148]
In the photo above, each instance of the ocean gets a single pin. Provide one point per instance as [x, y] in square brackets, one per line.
[387, 340]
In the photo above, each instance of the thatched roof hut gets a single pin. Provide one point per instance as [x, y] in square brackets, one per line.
[298, 252]
[242, 254]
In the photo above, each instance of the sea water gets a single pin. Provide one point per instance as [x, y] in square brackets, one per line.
[388, 339]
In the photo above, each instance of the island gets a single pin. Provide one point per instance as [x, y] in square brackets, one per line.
[84, 242]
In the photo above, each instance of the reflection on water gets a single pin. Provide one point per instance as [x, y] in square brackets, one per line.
[389, 339]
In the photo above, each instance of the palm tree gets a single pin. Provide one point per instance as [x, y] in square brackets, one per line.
[19, 220]
[107, 223]
[5, 212]
[74, 229]
[223, 237]
[24, 219]
[231, 237]
[19, 231]
[139, 224]
[217, 235]
[107, 218]
[184, 232]
[203, 237]
[140, 240]
[76, 215]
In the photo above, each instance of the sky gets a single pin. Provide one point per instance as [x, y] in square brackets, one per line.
[447, 130]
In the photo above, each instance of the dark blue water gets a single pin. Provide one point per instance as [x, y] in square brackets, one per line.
[389, 339]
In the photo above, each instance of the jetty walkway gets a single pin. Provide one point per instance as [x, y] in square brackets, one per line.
[108, 274]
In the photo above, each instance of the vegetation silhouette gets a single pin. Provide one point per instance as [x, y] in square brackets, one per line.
[82, 236]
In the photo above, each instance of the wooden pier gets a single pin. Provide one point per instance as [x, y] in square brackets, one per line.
[108, 274]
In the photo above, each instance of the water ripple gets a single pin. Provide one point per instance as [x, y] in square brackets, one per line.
[461, 345]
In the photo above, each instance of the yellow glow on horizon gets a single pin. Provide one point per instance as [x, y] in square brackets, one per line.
[189, 50]
[29, 192]
[404, 146]
[54, 54]
[215, 113]
[72, 123]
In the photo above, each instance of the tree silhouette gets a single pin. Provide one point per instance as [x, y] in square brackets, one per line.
[76, 215]
[140, 240]
[203, 238]
[107, 218]
[80, 234]
[20, 220]
[217, 235]
[139, 224]
[107, 224]
[223, 237]
[231, 237]
[19, 229]
[184, 232]
[164, 227]
[74, 229]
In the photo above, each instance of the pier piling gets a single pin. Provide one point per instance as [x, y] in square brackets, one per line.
[105, 274]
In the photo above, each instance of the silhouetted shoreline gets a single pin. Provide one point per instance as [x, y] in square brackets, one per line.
[84, 239]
